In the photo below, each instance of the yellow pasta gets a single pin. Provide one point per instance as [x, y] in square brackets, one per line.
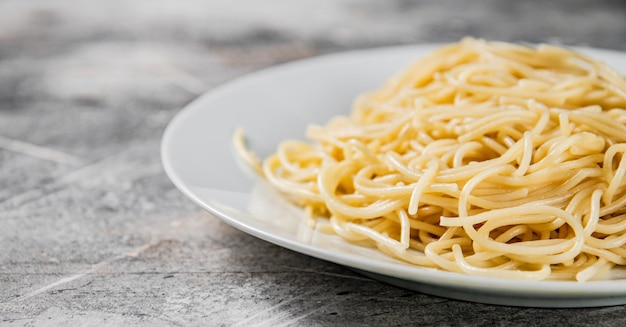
[481, 158]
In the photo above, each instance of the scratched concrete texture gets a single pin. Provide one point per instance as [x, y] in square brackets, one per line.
[93, 233]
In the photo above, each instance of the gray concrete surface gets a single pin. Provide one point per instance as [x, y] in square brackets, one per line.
[93, 233]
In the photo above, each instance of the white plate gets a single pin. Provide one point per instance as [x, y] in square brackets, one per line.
[278, 103]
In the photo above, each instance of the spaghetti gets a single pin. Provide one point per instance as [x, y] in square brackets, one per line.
[481, 158]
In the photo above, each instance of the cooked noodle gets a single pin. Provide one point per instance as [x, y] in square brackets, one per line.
[482, 158]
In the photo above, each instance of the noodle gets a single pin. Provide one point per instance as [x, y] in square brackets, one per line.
[481, 158]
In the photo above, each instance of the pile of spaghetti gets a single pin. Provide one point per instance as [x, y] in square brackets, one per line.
[481, 158]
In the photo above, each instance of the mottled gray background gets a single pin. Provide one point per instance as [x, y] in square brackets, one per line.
[91, 230]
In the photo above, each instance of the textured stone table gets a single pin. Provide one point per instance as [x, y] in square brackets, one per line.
[93, 233]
